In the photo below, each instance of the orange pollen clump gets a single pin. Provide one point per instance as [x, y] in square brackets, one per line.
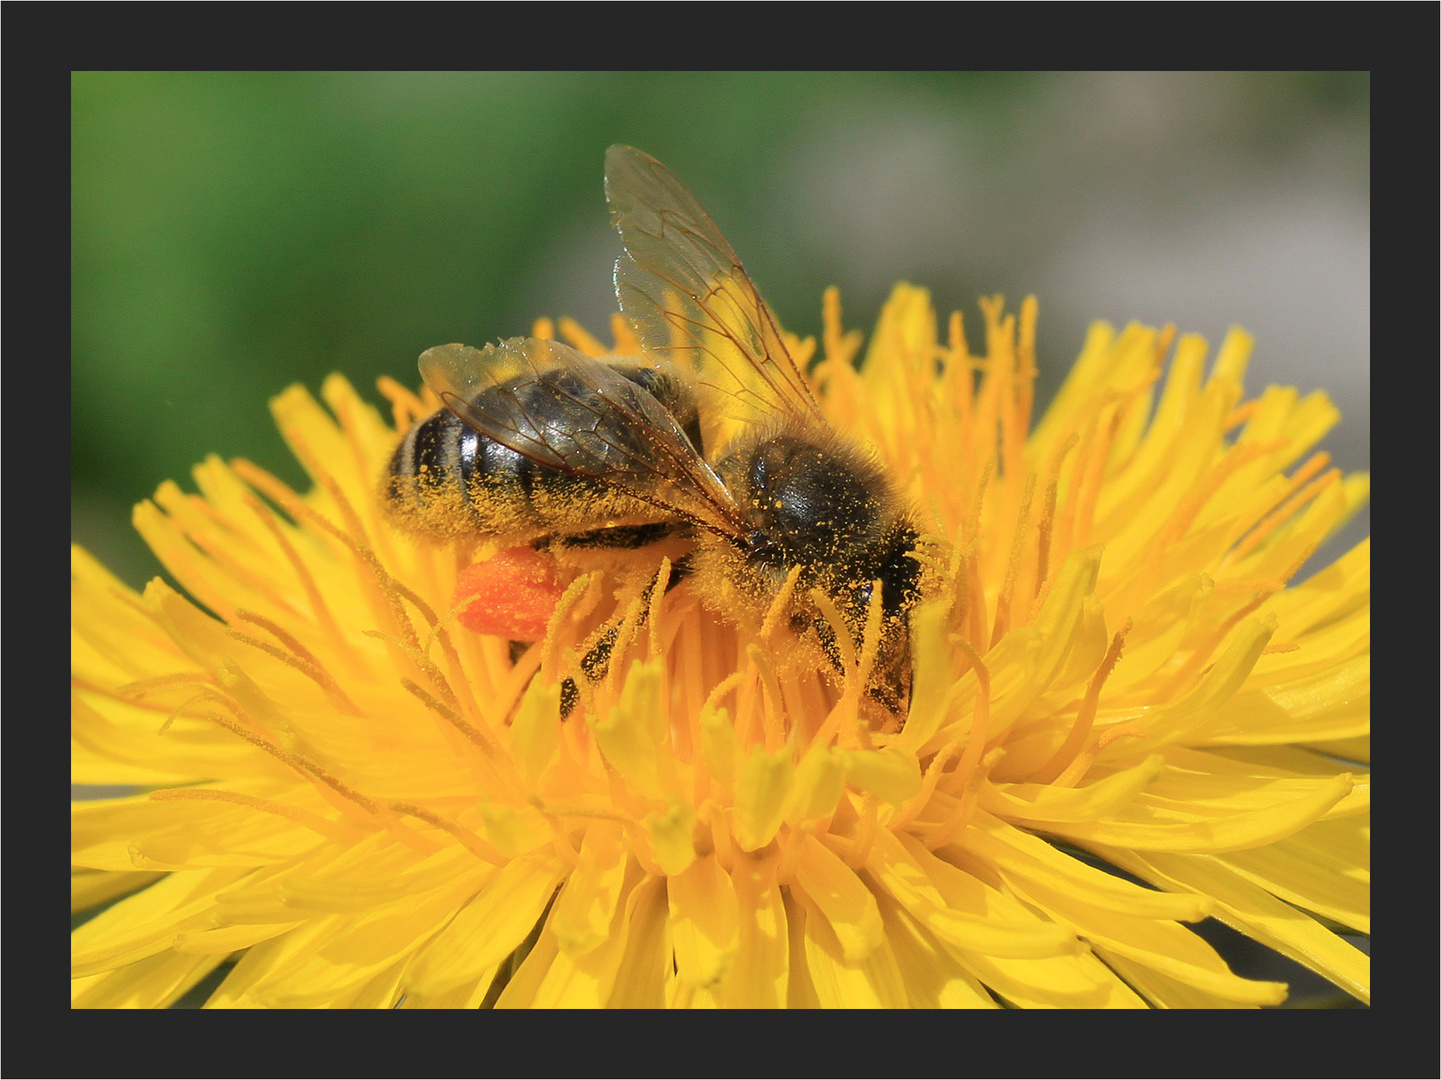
[511, 594]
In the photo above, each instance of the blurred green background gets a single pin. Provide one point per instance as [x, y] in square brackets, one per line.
[235, 233]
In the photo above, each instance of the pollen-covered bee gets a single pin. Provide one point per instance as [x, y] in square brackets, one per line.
[541, 445]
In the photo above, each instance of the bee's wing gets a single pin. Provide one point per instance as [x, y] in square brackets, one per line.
[594, 422]
[685, 292]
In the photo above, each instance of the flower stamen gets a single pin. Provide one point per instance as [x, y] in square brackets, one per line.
[1292, 503]
[980, 720]
[1013, 567]
[1053, 771]
[469, 840]
[330, 830]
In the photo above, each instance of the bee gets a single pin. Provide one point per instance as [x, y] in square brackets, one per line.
[541, 445]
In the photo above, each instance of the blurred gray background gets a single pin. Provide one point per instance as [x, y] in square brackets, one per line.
[235, 233]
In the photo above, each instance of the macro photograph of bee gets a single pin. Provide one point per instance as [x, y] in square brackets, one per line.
[541, 445]
[968, 610]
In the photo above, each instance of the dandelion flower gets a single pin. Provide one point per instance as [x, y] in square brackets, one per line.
[357, 800]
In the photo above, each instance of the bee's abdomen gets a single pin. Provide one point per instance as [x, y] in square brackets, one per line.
[446, 480]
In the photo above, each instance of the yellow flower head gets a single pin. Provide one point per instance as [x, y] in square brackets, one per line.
[363, 800]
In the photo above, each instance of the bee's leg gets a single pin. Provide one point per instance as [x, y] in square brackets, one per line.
[595, 664]
[620, 536]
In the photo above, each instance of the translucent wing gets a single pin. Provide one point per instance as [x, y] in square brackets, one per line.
[569, 412]
[686, 294]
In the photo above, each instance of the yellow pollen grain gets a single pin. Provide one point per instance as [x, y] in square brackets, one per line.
[1271, 650]
[572, 669]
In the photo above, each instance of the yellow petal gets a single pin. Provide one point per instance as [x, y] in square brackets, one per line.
[957, 907]
[672, 837]
[487, 929]
[840, 898]
[585, 909]
[761, 794]
[1149, 828]
[704, 922]
[1259, 915]
[820, 778]
[891, 774]
[631, 733]
[832, 979]
[759, 978]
